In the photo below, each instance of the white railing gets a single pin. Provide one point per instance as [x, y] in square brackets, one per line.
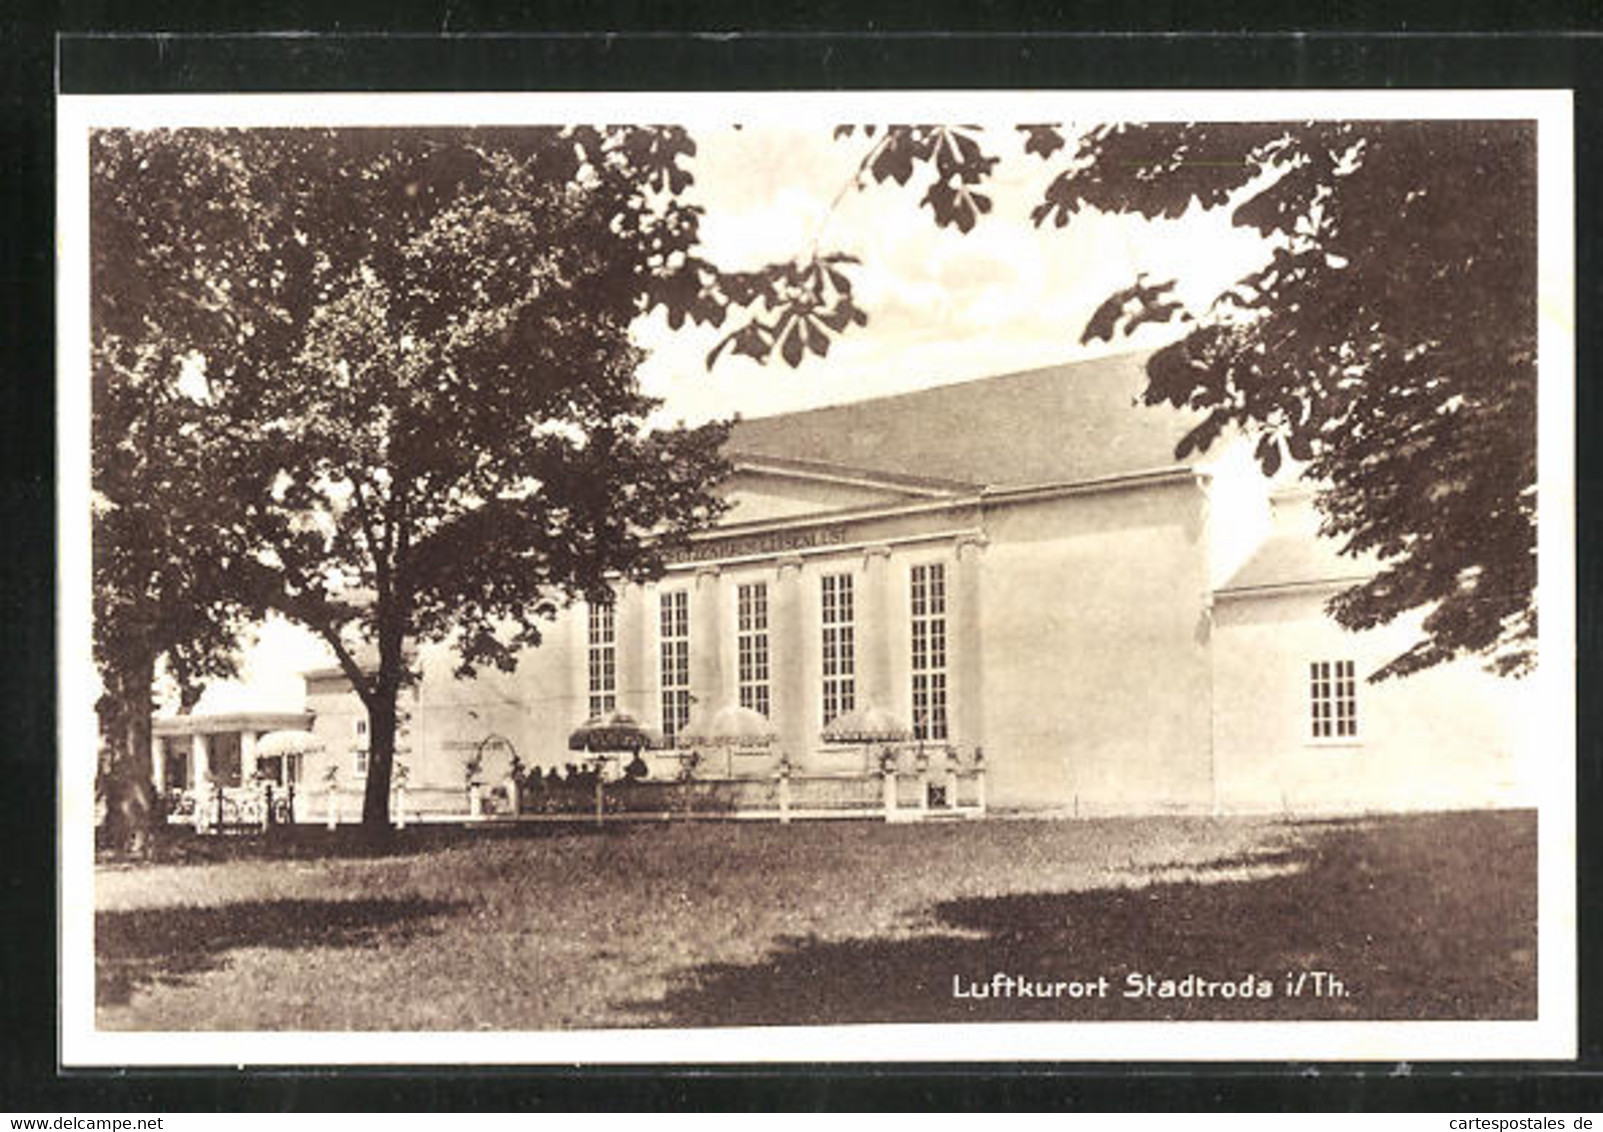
[902, 782]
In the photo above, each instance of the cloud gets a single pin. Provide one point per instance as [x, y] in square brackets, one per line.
[937, 299]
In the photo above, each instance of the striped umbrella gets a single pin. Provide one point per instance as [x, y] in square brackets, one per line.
[730, 726]
[276, 743]
[866, 724]
[613, 731]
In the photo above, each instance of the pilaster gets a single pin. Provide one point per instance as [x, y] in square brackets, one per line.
[874, 619]
[966, 695]
[708, 663]
[646, 643]
[788, 650]
[633, 640]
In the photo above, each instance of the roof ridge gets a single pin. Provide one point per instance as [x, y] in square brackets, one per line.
[881, 398]
[802, 464]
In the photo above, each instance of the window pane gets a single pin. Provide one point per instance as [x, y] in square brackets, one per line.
[603, 661]
[751, 645]
[838, 645]
[674, 650]
[1333, 699]
[927, 590]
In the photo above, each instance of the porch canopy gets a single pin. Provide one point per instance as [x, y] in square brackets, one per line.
[219, 748]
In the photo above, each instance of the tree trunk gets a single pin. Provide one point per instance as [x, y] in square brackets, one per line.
[130, 781]
[381, 726]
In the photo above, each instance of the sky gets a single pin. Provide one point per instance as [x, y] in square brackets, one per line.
[943, 306]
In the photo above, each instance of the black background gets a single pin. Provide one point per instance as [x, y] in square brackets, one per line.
[93, 48]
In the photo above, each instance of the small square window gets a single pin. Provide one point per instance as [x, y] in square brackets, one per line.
[1332, 700]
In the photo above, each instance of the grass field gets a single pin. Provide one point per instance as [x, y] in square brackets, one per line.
[1430, 916]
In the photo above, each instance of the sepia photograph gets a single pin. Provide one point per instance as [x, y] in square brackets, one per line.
[745, 578]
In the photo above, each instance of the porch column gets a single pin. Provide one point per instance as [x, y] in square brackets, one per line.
[199, 780]
[707, 645]
[199, 761]
[874, 620]
[247, 757]
[788, 665]
[158, 763]
[966, 697]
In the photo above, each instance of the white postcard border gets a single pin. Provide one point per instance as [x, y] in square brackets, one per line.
[1552, 1036]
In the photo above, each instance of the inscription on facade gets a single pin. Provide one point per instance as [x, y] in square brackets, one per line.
[770, 542]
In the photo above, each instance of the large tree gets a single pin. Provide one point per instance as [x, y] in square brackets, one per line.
[161, 599]
[161, 547]
[418, 389]
[407, 353]
[1388, 343]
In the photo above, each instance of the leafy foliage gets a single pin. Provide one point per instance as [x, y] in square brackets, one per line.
[419, 401]
[957, 165]
[1388, 344]
[161, 549]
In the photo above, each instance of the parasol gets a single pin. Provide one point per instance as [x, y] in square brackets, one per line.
[276, 743]
[729, 726]
[613, 731]
[866, 724]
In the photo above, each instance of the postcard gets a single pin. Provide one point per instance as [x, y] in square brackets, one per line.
[594, 578]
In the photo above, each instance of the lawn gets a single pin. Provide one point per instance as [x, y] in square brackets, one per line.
[1430, 916]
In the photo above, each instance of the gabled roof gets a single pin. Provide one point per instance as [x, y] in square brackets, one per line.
[1296, 558]
[1070, 423]
[1295, 554]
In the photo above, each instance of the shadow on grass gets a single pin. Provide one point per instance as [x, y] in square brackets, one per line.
[1419, 918]
[168, 945]
[180, 845]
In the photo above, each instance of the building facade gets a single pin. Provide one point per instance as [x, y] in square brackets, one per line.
[1018, 566]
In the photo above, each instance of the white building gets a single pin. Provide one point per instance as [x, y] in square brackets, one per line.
[1017, 565]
